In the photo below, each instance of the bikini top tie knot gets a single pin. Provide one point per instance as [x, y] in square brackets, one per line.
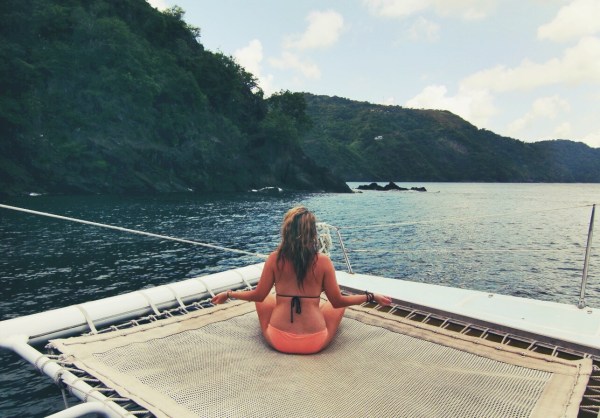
[296, 304]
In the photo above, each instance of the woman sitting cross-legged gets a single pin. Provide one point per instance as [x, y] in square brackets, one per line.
[294, 320]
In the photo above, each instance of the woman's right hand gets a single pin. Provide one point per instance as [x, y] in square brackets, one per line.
[220, 298]
[382, 300]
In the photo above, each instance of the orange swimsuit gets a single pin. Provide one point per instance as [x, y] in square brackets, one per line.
[288, 342]
[291, 343]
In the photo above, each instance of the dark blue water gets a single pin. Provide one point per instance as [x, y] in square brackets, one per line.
[525, 240]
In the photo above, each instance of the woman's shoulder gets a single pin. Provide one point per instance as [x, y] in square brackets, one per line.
[322, 260]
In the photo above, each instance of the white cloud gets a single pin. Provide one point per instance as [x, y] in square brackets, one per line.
[389, 101]
[424, 29]
[159, 4]
[465, 9]
[324, 29]
[593, 139]
[563, 131]
[579, 64]
[576, 19]
[289, 60]
[250, 57]
[396, 8]
[476, 106]
[544, 108]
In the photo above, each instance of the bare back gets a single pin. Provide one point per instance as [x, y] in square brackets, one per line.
[311, 319]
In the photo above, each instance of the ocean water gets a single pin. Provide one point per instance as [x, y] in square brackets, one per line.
[525, 240]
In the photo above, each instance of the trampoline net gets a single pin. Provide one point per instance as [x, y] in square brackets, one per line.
[215, 363]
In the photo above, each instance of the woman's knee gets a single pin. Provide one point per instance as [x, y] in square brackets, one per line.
[333, 316]
[264, 310]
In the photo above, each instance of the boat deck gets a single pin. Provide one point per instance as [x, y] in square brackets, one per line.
[539, 326]
[555, 321]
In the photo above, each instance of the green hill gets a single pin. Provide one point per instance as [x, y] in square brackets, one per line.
[360, 141]
[113, 96]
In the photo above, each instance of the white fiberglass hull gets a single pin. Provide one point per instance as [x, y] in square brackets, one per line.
[555, 321]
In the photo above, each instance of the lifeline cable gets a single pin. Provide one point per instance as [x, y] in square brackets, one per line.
[133, 231]
[463, 218]
[451, 250]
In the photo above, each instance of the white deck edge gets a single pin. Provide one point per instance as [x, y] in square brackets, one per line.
[557, 321]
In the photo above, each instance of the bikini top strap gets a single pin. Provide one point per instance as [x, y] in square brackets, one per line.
[298, 296]
[295, 304]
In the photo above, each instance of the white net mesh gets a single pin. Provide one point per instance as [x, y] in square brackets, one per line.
[224, 368]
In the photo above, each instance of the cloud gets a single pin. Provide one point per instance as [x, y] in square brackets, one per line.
[476, 106]
[324, 29]
[573, 21]
[593, 139]
[424, 29]
[389, 101]
[579, 64]
[289, 60]
[465, 9]
[548, 108]
[396, 8]
[564, 130]
[250, 57]
[159, 4]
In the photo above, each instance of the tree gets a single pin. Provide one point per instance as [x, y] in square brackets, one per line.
[292, 105]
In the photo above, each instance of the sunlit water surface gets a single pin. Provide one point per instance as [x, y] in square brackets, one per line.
[525, 240]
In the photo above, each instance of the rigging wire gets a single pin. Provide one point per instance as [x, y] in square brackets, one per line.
[133, 231]
[451, 250]
[461, 218]
[338, 228]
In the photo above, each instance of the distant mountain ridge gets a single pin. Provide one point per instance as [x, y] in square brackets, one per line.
[360, 141]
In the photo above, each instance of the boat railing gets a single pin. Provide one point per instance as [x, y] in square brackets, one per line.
[582, 303]
[325, 245]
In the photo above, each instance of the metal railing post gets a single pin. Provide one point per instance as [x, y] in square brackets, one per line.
[344, 251]
[582, 304]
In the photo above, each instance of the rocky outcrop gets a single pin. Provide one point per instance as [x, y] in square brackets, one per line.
[390, 186]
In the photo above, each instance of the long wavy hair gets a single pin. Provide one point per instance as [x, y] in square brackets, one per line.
[299, 241]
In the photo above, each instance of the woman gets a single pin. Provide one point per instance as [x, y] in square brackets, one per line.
[294, 320]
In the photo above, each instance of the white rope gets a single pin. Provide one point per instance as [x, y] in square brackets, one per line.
[452, 250]
[133, 231]
[466, 218]
[174, 292]
[87, 318]
[150, 302]
[208, 289]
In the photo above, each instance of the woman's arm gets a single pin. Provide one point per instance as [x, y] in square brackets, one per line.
[337, 300]
[260, 292]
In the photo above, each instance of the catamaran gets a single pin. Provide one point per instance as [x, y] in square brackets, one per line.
[167, 351]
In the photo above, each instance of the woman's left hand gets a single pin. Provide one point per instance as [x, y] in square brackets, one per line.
[220, 298]
[382, 300]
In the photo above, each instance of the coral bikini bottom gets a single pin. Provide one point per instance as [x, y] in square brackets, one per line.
[290, 343]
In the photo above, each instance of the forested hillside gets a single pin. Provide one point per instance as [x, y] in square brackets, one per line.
[113, 96]
[362, 142]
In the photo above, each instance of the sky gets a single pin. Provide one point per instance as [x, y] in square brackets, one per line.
[526, 69]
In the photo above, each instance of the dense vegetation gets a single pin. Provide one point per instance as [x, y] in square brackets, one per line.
[115, 96]
[362, 142]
